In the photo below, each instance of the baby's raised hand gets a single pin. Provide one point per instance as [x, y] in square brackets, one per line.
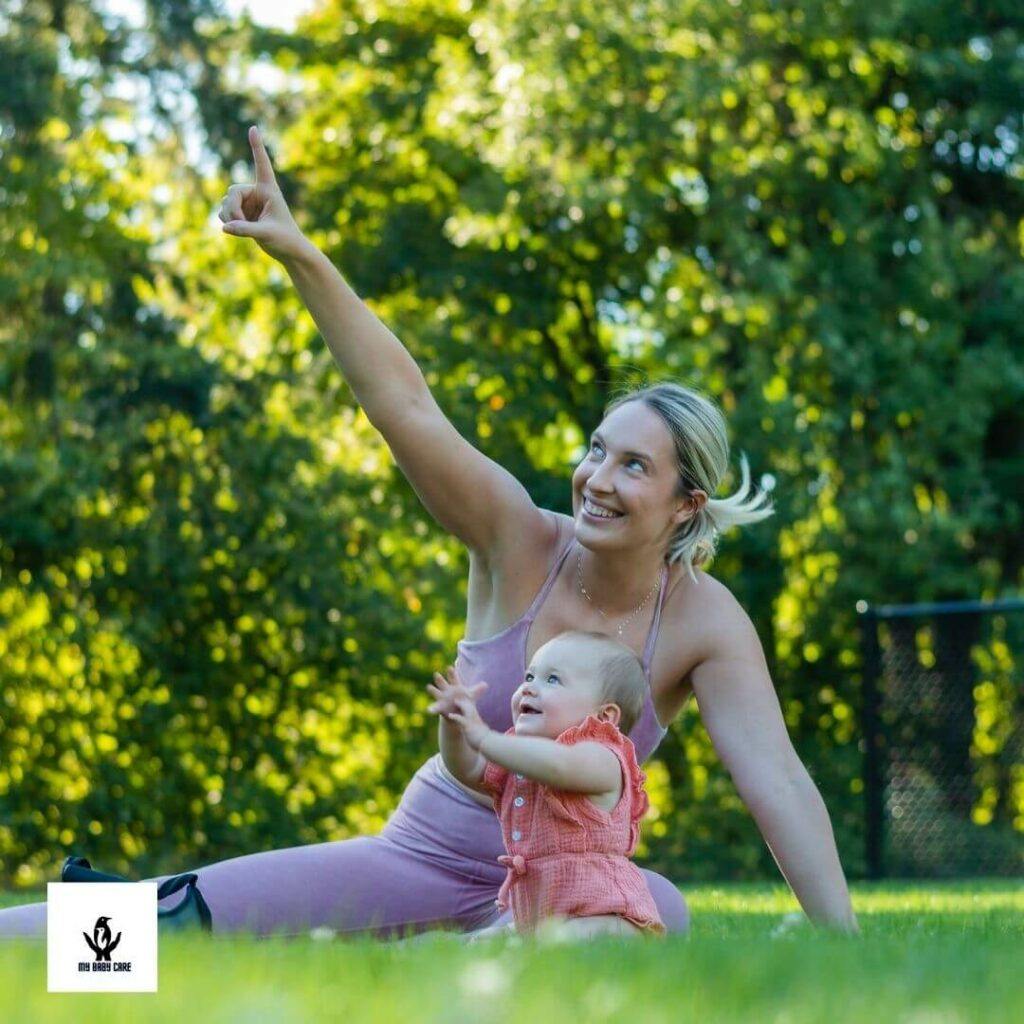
[468, 719]
[448, 689]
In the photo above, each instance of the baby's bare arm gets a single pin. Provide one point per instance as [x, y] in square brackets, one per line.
[460, 757]
[465, 763]
[581, 768]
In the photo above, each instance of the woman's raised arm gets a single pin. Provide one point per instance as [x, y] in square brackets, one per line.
[469, 495]
[741, 712]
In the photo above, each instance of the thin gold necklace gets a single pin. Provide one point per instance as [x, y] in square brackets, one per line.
[632, 615]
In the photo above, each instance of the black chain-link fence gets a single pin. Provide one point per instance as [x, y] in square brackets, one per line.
[943, 719]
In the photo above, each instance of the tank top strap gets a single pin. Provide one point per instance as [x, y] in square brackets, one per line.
[530, 612]
[652, 635]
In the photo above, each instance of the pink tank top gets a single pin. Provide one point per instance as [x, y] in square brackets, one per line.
[501, 661]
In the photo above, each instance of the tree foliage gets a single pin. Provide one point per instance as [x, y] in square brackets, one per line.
[219, 602]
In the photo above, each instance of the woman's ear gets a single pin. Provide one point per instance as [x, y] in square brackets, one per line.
[689, 505]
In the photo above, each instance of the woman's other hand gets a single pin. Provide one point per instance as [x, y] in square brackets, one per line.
[259, 211]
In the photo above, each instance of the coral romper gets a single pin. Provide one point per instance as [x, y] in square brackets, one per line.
[566, 856]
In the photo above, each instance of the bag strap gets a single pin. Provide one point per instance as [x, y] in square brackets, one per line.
[78, 869]
[193, 895]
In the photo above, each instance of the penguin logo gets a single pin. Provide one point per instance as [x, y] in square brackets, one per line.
[101, 943]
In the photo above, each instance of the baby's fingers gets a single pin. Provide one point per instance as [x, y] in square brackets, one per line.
[465, 706]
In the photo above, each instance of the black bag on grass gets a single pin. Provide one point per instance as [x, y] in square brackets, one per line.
[191, 912]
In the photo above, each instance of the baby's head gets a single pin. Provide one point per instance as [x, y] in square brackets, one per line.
[576, 674]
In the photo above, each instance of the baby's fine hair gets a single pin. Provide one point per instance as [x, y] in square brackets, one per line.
[622, 675]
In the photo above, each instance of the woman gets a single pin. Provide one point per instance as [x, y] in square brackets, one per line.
[623, 564]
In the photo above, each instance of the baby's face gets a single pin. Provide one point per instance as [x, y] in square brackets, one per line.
[560, 689]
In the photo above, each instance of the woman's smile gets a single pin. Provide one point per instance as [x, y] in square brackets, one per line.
[594, 510]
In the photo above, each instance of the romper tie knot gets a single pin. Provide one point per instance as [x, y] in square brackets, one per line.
[516, 869]
[516, 864]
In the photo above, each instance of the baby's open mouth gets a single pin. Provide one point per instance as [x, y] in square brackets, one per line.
[529, 709]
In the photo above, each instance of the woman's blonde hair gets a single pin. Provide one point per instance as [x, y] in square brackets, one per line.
[702, 458]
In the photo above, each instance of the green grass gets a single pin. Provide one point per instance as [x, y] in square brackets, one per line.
[929, 954]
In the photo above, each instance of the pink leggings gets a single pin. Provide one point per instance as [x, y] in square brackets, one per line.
[434, 865]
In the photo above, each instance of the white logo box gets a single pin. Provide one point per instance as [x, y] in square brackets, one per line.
[101, 936]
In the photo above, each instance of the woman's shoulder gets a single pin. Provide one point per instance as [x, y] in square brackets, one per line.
[564, 526]
[533, 550]
[703, 612]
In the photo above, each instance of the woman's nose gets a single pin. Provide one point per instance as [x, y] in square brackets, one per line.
[600, 479]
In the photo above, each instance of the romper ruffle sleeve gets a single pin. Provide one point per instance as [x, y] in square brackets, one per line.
[592, 729]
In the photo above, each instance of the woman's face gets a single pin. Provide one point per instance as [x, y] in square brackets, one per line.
[625, 490]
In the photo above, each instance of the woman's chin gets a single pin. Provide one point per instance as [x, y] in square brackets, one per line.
[597, 537]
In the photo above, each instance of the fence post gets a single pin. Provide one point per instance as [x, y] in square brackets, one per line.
[874, 745]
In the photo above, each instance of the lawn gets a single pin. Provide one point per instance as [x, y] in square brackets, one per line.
[941, 953]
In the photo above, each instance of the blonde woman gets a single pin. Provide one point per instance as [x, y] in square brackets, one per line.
[626, 563]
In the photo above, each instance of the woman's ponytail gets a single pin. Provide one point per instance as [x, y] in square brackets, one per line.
[702, 452]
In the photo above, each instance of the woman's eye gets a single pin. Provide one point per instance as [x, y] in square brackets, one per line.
[595, 447]
[637, 462]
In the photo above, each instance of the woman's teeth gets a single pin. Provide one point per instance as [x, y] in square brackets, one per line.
[596, 510]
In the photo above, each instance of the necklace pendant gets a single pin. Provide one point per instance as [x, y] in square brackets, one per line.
[636, 611]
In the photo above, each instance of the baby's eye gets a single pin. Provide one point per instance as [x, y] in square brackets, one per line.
[529, 677]
[553, 678]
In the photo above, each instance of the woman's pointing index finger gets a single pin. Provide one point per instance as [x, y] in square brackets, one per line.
[264, 170]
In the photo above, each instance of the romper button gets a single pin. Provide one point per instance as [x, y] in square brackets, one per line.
[516, 836]
[519, 801]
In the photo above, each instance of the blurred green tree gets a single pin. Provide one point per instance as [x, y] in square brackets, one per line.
[811, 211]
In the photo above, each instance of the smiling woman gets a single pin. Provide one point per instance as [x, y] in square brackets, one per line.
[644, 520]
[693, 468]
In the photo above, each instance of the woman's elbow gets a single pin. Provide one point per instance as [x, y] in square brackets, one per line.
[787, 784]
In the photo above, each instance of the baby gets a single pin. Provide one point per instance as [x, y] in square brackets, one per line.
[565, 783]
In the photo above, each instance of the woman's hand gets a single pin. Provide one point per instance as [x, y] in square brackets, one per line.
[259, 211]
[741, 712]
